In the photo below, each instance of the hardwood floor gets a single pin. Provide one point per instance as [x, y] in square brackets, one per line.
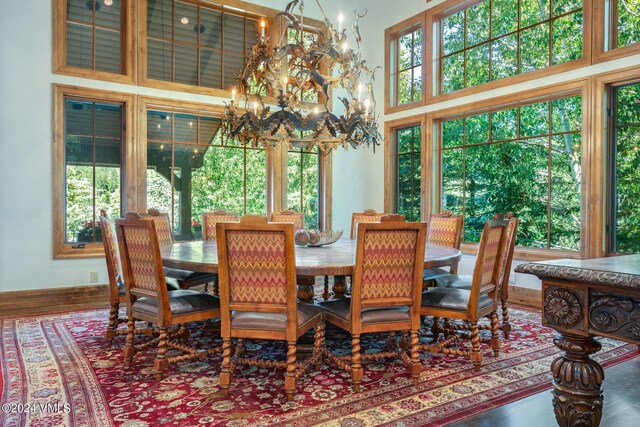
[621, 404]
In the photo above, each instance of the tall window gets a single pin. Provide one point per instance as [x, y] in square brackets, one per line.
[196, 44]
[94, 35]
[526, 160]
[496, 39]
[190, 170]
[93, 135]
[408, 170]
[624, 20]
[406, 66]
[303, 172]
[624, 191]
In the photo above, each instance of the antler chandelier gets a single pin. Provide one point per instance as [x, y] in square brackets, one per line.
[281, 75]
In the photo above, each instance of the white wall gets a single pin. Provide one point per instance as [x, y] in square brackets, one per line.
[26, 141]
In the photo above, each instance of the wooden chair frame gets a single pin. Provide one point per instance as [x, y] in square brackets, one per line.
[369, 215]
[165, 318]
[352, 363]
[297, 218]
[472, 314]
[292, 332]
[218, 215]
[459, 224]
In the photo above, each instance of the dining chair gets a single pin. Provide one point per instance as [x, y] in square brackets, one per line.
[117, 293]
[297, 218]
[444, 230]
[369, 215]
[149, 300]
[257, 272]
[186, 279]
[385, 294]
[470, 305]
[464, 281]
[210, 219]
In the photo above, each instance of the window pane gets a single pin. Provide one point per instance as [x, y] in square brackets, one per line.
[504, 59]
[232, 66]
[108, 51]
[209, 127]
[80, 11]
[453, 73]
[159, 62]
[453, 133]
[564, 6]
[534, 48]
[477, 65]
[409, 172]
[159, 18]
[453, 33]
[480, 180]
[628, 24]
[93, 138]
[79, 46]
[109, 15]
[185, 23]
[212, 20]
[233, 33]
[533, 11]
[210, 68]
[404, 87]
[504, 17]
[185, 128]
[186, 64]
[256, 189]
[477, 30]
[302, 185]
[405, 52]
[567, 38]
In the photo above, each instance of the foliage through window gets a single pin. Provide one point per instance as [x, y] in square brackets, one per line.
[408, 170]
[406, 68]
[526, 160]
[624, 191]
[496, 39]
[625, 22]
[303, 172]
[92, 175]
[196, 44]
[94, 39]
[190, 170]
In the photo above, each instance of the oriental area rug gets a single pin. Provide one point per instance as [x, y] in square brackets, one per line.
[62, 367]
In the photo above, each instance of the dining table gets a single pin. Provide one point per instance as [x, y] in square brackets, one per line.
[337, 259]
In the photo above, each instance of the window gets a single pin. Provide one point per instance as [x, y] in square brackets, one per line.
[404, 46]
[90, 147]
[524, 159]
[624, 19]
[624, 223]
[92, 38]
[190, 170]
[497, 39]
[193, 44]
[303, 175]
[408, 171]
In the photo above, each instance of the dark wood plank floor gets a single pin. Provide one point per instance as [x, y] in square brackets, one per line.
[621, 404]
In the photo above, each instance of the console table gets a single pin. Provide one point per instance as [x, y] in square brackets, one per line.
[582, 299]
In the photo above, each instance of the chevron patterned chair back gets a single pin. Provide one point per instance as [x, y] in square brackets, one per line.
[297, 218]
[210, 219]
[163, 226]
[369, 215]
[445, 229]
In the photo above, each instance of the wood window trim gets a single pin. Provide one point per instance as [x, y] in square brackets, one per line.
[591, 201]
[390, 156]
[600, 38]
[432, 77]
[62, 250]
[127, 56]
[601, 85]
[391, 35]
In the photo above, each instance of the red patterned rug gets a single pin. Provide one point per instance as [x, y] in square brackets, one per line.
[63, 361]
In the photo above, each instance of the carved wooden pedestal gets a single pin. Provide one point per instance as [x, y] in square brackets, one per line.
[577, 396]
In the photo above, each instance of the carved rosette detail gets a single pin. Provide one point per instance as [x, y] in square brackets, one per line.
[562, 307]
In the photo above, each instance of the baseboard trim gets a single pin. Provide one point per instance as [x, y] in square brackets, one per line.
[56, 300]
[525, 296]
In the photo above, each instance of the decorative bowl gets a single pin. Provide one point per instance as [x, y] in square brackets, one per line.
[326, 238]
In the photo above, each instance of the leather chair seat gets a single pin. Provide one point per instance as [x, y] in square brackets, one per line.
[172, 285]
[186, 275]
[307, 313]
[452, 299]
[181, 302]
[458, 281]
[434, 274]
[342, 308]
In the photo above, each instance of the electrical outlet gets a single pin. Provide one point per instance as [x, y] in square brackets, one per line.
[93, 277]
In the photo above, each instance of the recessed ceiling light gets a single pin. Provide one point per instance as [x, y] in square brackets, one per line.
[185, 20]
[108, 2]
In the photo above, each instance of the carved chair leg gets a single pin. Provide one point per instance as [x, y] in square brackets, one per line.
[506, 326]
[240, 349]
[290, 375]
[416, 366]
[113, 322]
[325, 294]
[391, 343]
[435, 328]
[476, 354]
[129, 349]
[356, 367]
[404, 342]
[161, 361]
[226, 376]
[495, 339]
[215, 288]
[318, 345]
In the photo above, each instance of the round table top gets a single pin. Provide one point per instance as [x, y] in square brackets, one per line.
[331, 260]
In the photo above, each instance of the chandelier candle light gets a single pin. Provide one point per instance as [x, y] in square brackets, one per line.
[280, 76]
